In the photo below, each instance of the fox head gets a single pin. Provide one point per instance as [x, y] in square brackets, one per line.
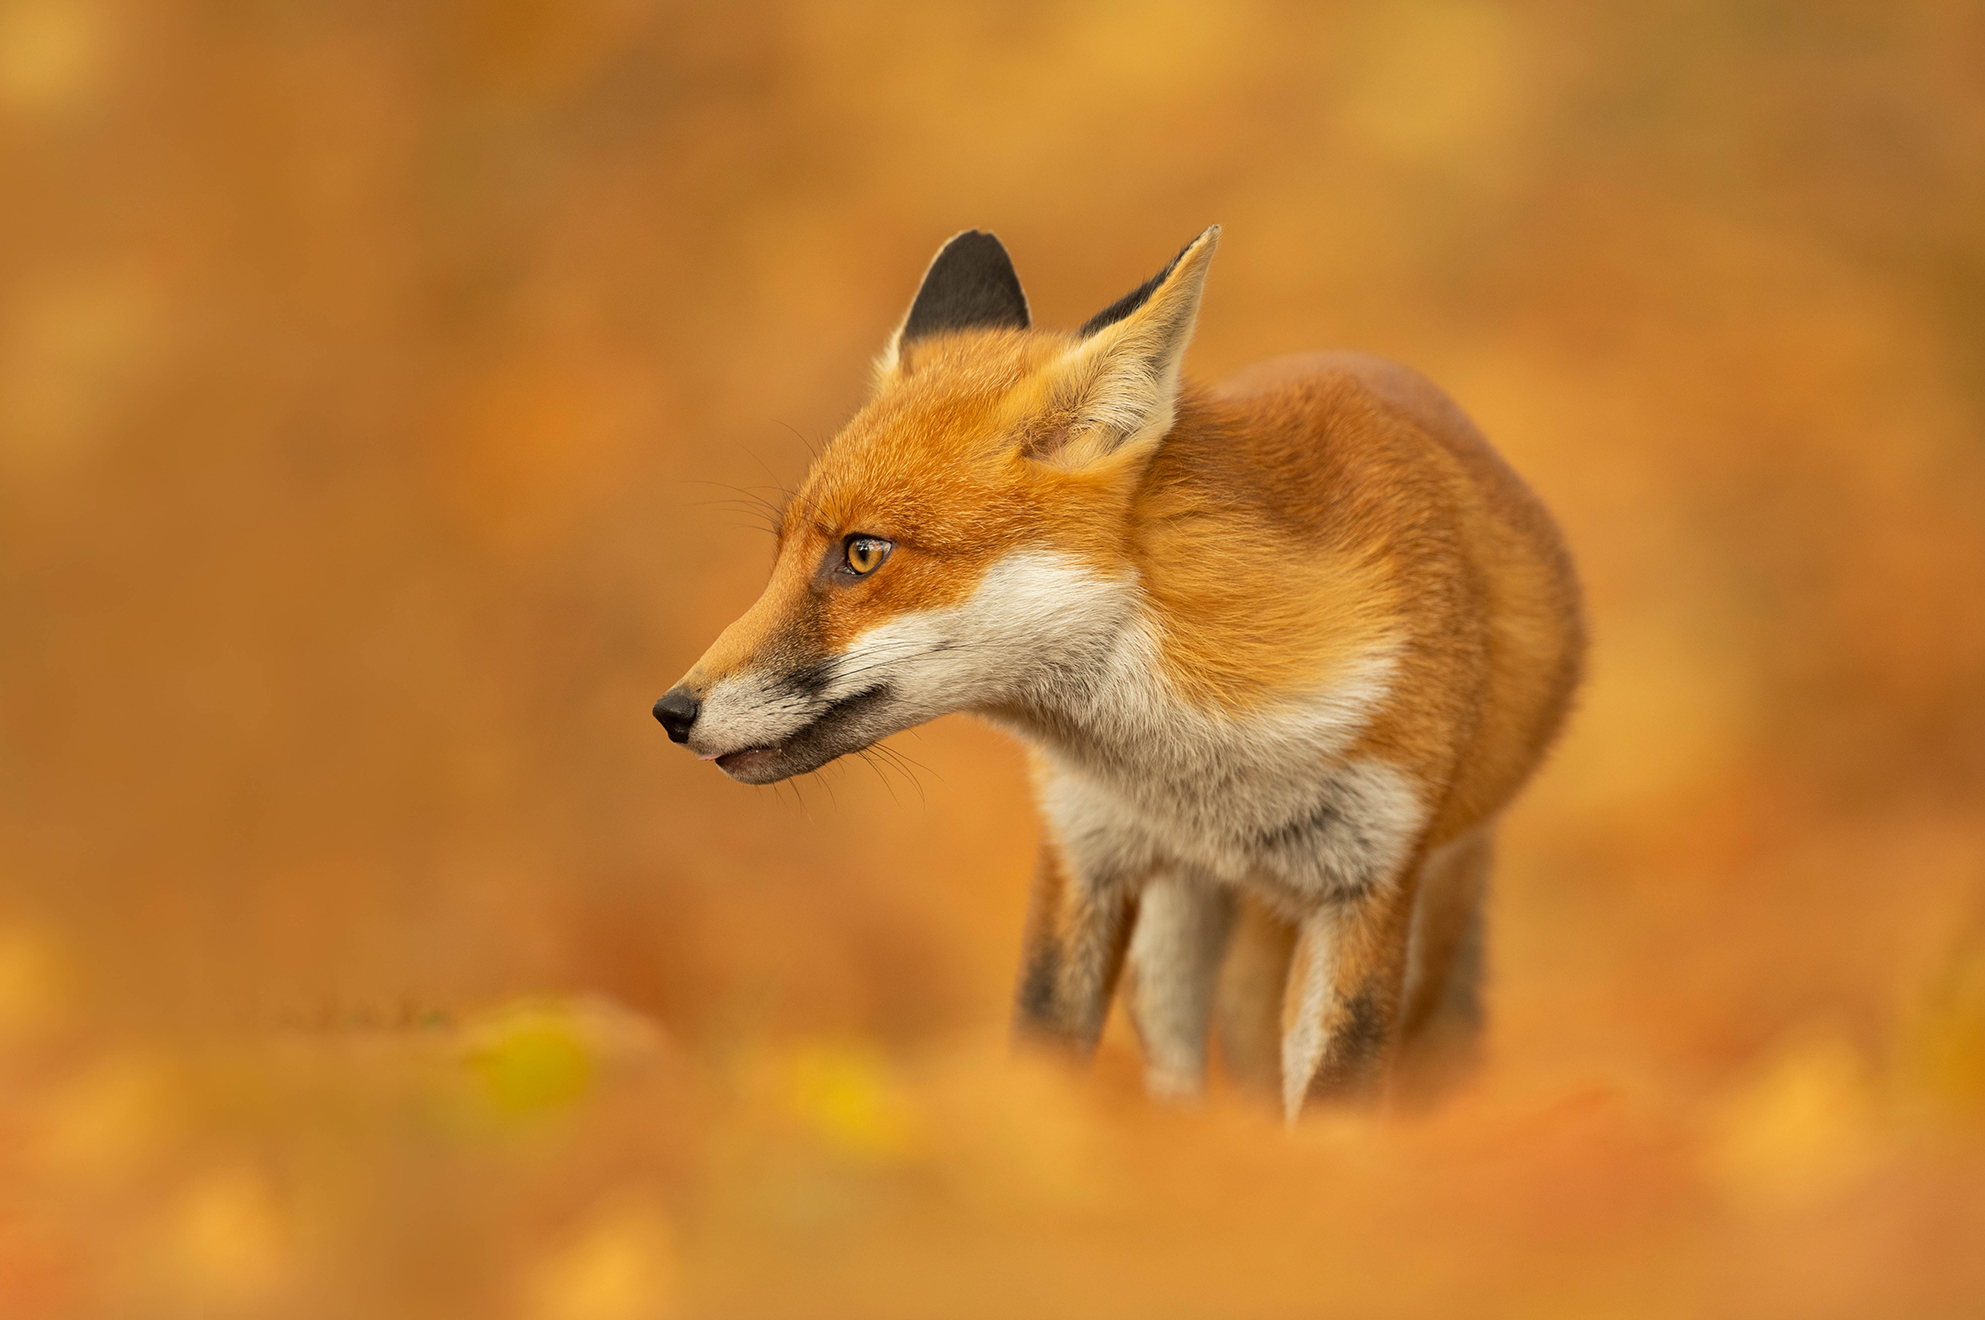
[961, 544]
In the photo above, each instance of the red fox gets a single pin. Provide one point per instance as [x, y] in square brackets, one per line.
[1280, 651]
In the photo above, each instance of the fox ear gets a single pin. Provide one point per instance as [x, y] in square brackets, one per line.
[1119, 384]
[970, 285]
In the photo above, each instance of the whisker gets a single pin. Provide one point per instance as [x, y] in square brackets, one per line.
[911, 760]
[896, 759]
[799, 435]
[884, 660]
[776, 483]
[868, 759]
[750, 497]
[826, 784]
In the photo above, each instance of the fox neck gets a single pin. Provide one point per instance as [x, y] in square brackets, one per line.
[1083, 704]
[1094, 690]
[1092, 686]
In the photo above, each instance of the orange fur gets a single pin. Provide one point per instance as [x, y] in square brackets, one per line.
[1282, 534]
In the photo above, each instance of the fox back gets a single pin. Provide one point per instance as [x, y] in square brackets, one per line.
[1281, 650]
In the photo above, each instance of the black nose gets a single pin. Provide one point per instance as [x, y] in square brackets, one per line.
[677, 711]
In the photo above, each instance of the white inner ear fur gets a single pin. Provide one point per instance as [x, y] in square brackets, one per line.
[1122, 382]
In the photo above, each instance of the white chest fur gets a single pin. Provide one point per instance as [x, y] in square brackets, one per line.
[1141, 780]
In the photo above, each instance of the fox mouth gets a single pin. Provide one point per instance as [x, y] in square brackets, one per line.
[741, 764]
[848, 725]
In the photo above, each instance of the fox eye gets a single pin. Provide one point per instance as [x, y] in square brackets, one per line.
[865, 554]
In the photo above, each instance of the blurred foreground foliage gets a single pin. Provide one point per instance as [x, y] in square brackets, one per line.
[563, 1158]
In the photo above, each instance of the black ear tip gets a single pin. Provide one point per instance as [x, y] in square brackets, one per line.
[978, 245]
[970, 286]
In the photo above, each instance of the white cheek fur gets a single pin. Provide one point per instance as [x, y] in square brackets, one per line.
[1032, 610]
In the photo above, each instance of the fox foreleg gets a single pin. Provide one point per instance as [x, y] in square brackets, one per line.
[1078, 929]
[1183, 925]
[1341, 1007]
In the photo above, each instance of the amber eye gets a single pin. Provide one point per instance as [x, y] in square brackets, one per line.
[866, 553]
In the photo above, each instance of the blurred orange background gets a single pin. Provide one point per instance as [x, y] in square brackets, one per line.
[371, 380]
